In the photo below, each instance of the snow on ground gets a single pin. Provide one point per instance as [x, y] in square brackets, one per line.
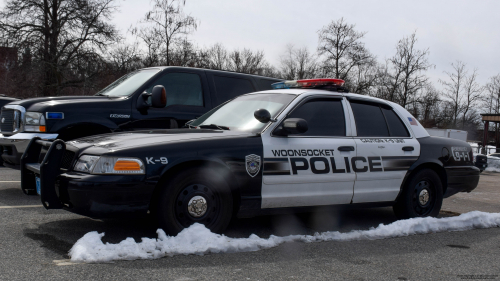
[493, 164]
[198, 240]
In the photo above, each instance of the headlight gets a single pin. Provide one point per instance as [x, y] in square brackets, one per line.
[34, 122]
[86, 163]
[109, 165]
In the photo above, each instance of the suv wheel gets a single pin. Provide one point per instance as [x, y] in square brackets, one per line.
[194, 196]
[422, 196]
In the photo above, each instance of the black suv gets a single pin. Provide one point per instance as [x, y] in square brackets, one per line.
[124, 105]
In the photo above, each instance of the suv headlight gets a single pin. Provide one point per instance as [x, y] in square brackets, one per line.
[34, 122]
[109, 165]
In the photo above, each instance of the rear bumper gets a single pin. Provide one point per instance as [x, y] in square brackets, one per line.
[13, 147]
[461, 179]
[102, 196]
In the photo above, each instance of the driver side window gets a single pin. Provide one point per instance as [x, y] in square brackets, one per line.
[182, 88]
[325, 117]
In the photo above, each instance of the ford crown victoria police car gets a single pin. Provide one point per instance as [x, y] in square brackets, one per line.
[306, 143]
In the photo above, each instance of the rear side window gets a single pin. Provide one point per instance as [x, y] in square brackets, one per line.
[265, 84]
[182, 88]
[325, 117]
[370, 121]
[230, 87]
[396, 126]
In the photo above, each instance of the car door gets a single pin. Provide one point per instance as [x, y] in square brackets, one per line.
[187, 99]
[385, 151]
[312, 168]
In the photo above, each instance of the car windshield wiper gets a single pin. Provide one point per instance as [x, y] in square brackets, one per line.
[213, 126]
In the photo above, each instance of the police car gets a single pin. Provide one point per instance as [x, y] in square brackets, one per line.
[306, 143]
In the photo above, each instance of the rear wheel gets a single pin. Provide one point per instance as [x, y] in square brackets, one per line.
[194, 196]
[422, 196]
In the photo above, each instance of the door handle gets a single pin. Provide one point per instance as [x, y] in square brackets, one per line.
[408, 148]
[346, 148]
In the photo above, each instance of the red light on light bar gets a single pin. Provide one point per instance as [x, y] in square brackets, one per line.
[309, 83]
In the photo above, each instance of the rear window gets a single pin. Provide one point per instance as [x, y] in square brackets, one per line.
[230, 87]
[377, 120]
[396, 126]
[370, 121]
[265, 84]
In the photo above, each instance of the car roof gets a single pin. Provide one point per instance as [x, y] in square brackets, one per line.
[323, 92]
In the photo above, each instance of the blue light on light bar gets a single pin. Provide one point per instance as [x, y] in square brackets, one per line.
[279, 85]
[55, 115]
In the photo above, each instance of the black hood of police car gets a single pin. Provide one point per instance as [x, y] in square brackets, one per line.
[100, 144]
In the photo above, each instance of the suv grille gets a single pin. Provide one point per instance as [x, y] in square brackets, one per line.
[7, 121]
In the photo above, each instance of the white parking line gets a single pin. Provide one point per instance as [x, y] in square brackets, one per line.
[21, 206]
[65, 262]
[9, 181]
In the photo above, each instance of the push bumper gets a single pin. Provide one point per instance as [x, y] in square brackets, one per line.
[96, 196]
[461, 179]
[13, 147]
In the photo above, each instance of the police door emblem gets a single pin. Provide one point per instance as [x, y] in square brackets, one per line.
[253, 164]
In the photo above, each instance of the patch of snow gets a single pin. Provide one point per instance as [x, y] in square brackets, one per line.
[493, 164]
[198, 240]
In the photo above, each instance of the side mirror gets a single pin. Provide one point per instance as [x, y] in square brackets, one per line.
[295, 126]
[159, 97]
[262, 115]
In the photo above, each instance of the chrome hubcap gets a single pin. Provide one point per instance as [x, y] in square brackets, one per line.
[197, 206]
[423, 197]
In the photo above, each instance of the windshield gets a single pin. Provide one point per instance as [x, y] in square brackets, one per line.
[128, 84]
[237, 114]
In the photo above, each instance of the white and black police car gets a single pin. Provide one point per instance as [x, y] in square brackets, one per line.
[307, 143]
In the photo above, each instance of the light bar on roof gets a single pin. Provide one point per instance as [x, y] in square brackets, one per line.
[308, 83]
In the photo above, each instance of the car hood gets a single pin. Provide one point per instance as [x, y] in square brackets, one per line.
[39, 104]
[120, 141]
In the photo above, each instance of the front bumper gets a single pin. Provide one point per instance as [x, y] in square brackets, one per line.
[96, 196]
[102, 196]
[13, 147]
[461, 179]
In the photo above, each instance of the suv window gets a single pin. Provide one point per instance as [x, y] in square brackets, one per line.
[229, 87]
[370, 121]
[325, 117]
[182, 88]
[396, 126]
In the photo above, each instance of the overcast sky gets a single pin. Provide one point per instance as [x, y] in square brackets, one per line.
[452, 30]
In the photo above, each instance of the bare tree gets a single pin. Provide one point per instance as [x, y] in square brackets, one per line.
[62, 34]
[166, 28]
[408, 67]
[246, 61]
[343, 50]
[453, 88]
[493, 98]
[472, 95]
[214, 57]
[297, 63]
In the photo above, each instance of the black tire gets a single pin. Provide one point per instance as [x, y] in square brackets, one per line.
[422, 196]
[172, 208]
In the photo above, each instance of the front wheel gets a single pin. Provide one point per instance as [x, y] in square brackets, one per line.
[422, 196]
[195, 196]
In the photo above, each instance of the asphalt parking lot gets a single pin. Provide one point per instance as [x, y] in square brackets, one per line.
[34, 243]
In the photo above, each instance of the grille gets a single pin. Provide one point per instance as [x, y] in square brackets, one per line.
[67, 159]
[7, 121]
